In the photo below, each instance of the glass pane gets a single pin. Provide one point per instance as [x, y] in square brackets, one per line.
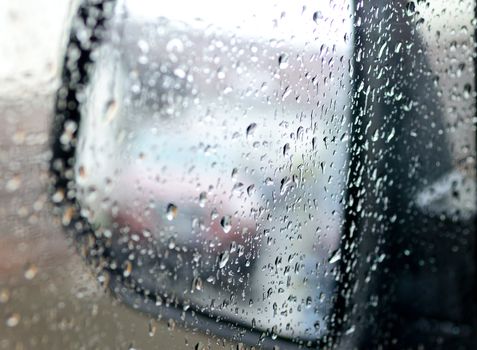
[220, 174]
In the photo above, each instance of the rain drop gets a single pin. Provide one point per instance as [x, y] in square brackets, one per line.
[251, 129]
[283, 61]
[202, 199]
[13, 319]
[224, 258]
[226, 223]
[317, 16]
[171, 212]
[30, 271]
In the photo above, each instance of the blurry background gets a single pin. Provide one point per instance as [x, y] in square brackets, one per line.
[48, 298]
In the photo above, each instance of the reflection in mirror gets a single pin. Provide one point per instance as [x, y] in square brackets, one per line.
[277, 166]
[212, 159]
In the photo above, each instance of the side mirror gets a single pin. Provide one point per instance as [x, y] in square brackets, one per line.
[240, 168]
[206, 161]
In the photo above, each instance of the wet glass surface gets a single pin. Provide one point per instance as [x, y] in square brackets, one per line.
[225, 175]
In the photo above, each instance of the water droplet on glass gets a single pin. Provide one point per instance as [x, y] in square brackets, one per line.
[226, 223]
[4, 295]
[251, 129]
[317, 16]
[202, 199]
[180, 73]
[283, 61]
[171, 212]
[111, 111]
[30, 271]
[284, 184]
[197, 283]
[223, 259]
[286, 149]
[13, 319]
[250, 190]
[13, 184]
[234, 174]
[175, 45]
[171, 324]
[410, 8]
[143, 46]
[152, 328]
[467, 91]
[127, 269]
[335, 256]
